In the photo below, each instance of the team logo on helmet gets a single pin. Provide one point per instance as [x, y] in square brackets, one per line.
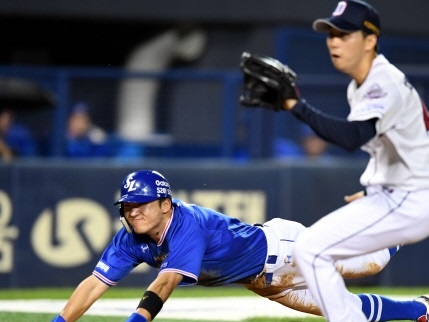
[130, 184]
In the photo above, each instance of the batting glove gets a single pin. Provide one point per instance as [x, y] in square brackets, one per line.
[58, 318]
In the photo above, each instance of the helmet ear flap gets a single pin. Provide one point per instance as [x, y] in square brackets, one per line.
[123, 219]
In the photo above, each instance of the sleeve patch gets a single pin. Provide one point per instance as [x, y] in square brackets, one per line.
[374, 92]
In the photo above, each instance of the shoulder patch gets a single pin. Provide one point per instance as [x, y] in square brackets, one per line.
[375, 91]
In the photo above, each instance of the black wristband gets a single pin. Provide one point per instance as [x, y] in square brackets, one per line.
[151, 302]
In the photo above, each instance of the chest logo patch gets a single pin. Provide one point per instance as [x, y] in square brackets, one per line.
[144, 248]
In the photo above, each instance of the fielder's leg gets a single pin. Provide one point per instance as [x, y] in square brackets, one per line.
[381, 219]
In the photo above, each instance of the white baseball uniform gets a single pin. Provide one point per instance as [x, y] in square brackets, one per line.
[287, 286]
[395, 210]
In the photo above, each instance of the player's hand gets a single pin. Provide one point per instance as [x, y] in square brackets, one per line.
[288, 104]
[353, 197]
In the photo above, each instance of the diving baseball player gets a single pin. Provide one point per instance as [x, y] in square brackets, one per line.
[190, 244]
[388, 120]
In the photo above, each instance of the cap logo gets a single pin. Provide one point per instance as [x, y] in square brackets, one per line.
[341, 7]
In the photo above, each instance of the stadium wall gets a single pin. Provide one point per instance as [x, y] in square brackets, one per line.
[56, 217]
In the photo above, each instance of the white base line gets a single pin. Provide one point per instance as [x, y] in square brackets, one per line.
[218, 308]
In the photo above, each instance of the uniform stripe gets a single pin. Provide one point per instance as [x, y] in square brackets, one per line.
[379, 307]
[371, 302]
[184, 273]
[104, 279]
[164, 233]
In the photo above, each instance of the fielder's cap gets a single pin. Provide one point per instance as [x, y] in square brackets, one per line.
[350, 16]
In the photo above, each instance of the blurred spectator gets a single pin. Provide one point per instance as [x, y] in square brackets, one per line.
[284, 148]
[15, 139]
[308, 145]
[84, 138]
[313, 146]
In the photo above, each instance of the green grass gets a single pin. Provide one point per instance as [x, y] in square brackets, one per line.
[21, 317]
[195, 291]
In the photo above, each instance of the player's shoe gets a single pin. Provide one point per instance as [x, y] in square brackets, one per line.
[424, 299]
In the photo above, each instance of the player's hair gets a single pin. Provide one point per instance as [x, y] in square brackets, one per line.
[377, 46]
[161, 200]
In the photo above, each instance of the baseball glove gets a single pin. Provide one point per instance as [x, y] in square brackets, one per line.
[266, 82]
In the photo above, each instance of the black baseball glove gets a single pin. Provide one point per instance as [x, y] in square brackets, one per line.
[266, 82]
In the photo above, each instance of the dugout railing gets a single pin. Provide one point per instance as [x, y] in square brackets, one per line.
[240, 128]
[205, 102]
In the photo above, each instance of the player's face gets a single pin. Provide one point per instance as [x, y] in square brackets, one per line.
[147, 218]
[348, 52]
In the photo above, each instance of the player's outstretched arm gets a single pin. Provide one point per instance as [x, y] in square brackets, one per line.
[153, 299]
[87, 292]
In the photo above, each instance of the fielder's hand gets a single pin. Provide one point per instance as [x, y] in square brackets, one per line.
[267, 83]
[354, 196]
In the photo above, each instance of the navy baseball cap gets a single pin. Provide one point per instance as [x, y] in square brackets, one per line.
[350, 16]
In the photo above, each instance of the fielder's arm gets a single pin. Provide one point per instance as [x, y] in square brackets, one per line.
[87, 292]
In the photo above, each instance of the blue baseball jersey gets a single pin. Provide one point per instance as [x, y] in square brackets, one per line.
[205, 246]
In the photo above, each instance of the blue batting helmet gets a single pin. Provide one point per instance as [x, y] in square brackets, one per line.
[144, 186]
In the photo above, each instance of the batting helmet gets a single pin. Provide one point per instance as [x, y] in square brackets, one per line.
[144, 186]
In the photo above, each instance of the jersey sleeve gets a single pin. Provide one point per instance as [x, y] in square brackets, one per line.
[348, 135]
[117, 260]
[380, 98]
